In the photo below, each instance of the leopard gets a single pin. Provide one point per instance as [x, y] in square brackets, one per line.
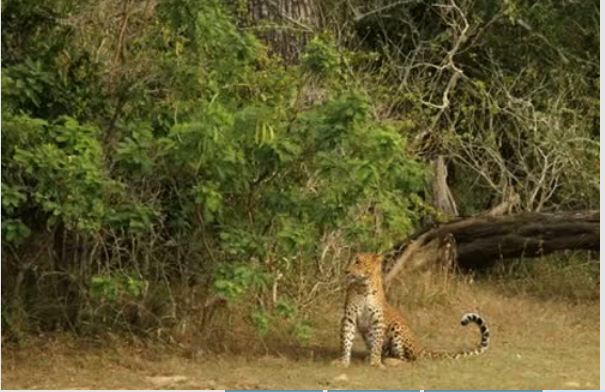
[383, 328]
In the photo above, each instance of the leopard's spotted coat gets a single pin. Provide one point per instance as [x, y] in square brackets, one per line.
[383, 328]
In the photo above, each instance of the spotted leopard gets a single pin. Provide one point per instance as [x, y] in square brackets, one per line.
[383, 327]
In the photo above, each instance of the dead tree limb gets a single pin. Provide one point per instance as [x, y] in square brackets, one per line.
[443, 199]
[480, 241]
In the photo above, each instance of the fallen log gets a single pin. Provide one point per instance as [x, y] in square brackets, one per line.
[478, 242]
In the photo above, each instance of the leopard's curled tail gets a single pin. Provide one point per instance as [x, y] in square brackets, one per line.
[480, 348]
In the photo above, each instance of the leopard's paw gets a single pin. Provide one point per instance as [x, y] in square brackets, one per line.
[377, 365]
[393, 362]
[341, 363]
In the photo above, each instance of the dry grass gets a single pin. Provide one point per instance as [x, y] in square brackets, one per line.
[537, 343]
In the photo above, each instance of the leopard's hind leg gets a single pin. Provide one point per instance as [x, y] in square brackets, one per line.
[400, 346]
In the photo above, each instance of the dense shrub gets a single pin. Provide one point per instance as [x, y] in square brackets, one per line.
[208, 171]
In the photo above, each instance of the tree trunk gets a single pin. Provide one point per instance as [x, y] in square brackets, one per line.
[442, 196]
[285, 25]
[478, 242]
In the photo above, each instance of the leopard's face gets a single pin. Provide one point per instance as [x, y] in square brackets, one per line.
[366, 267]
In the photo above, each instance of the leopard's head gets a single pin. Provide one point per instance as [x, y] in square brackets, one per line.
[365, 268]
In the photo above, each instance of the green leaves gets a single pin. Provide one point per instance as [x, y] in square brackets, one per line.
[111, 288]
[134, 217]
[208, 196]
[14, 231]
[321, 57]
[355, 162]
[261, 321]
[61, 169]
[104, 287]
[12, 197]
[135, 151]
[234, 280]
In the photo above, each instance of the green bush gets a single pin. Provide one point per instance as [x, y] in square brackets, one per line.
[201, 170]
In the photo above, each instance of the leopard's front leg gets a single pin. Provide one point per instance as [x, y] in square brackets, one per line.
[347, 335]
[376, 337]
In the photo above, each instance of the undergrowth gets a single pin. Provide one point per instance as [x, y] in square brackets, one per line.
[570, 276]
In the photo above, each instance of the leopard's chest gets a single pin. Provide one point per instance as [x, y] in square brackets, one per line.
[368, 311]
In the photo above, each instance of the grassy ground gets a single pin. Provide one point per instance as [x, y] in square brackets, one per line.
[537, 343]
